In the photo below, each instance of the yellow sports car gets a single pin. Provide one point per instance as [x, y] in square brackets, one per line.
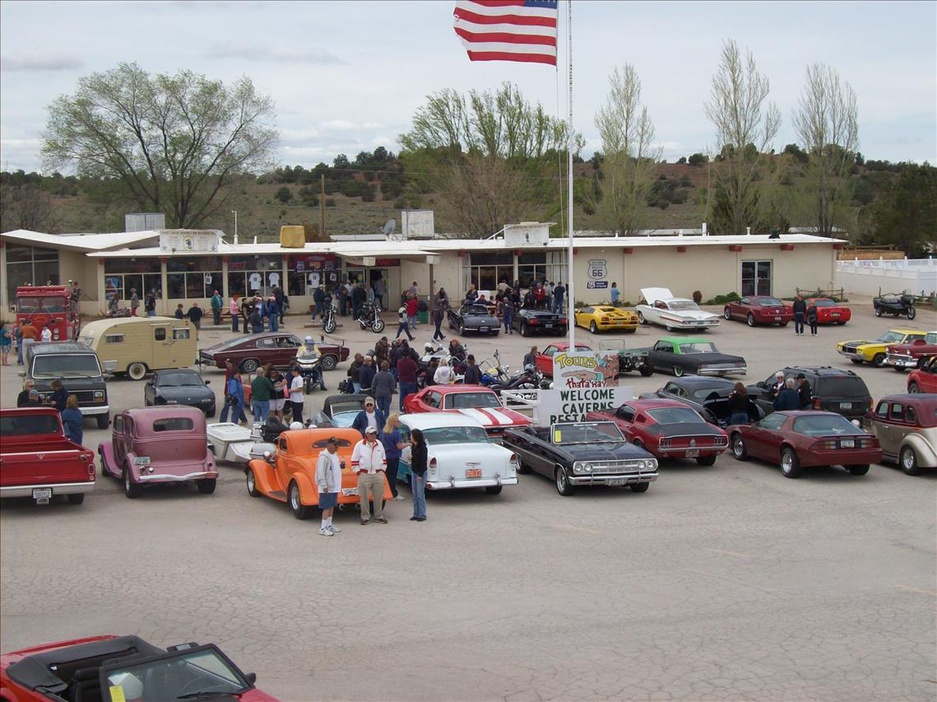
[606, 318]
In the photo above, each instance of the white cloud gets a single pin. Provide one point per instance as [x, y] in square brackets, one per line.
[272, 54]
[40, 61]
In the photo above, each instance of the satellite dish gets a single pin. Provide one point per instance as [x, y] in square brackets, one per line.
[389, 226]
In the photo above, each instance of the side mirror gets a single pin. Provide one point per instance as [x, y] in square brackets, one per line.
[760, 384]
[207, 382]
[250, 677]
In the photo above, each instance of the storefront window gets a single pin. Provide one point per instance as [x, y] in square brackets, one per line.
[122, 275]
[306, 271]
[541, 266]
[30, 265]
[488, 268]
[193, 277]
[254, 274]
[756, 278]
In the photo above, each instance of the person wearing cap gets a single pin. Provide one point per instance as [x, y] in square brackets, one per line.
[23, 397]
[329, 480]
[369, 463]
[32, 399]
[803, 391]
[368, 418]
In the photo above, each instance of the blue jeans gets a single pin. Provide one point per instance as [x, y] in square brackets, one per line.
[406, 389]
[235, 322]
[404, 327]
[798, 322]
[418, 486]
[383, 404]
[273, 322]
[739, 418]
[237, 413]
[261, 410]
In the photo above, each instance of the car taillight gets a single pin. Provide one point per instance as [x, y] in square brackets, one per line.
[604, 320]
[533, 320]
[514, 460]
[432, 463]
[816, 403]
[827, 445]
[664, 443]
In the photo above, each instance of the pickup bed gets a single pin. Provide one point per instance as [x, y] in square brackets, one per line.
[38, 461]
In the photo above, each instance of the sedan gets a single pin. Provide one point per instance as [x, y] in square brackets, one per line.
[906, 427]
[606, 318]
[807, 438]
[759, 309]
[179, 387]
[474, 318]
[279, 348]
[830, 311]
[668, 429]
[532, 320]
[545, 358]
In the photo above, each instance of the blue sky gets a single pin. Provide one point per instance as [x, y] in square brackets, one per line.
[347, 76]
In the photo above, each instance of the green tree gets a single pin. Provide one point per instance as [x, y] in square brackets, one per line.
[630, 156]
[284, 195]
[173, 141]
[905, 214]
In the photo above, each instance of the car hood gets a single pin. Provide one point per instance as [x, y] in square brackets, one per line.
[480, 319]
[700, 428]
[616, 451]
[494, 417]
[190, 392]
[653, 294]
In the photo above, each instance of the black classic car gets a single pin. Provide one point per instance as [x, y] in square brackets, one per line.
[529, 321]
[693, 356]
[180, 386]
[708, 396]
[339, 410]
[474, 318]
[582, 453]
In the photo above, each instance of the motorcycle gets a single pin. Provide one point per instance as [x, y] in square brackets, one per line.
[310, 369]
[496, 373]
[329, 323]
[529, 379]
[894, 304]
[371, 319]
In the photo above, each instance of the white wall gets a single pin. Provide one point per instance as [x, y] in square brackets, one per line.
[918, 276]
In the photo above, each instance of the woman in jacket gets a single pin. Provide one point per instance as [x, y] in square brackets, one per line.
[234, 399]
[393, 445]
[739, 403]
[418, 455]
[73, 420]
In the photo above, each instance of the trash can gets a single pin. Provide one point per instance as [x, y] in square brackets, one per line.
[422, 317]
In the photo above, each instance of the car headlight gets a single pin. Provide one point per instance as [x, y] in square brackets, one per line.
[577, 467]
[98, 394]
[588, 467]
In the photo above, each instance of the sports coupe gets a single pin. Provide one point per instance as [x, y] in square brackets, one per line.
[474, 318]
[533, 320]
[180, 386]
[804, 439]
[830, 311]
[475, 401]
[759, 309]
[661, 307]
[876, 350]
[255, 350]
[606, 318]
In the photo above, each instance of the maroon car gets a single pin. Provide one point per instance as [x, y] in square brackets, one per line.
[803, 439]
[667, 428]
[252, 351]
[904, 357]
[759, 309]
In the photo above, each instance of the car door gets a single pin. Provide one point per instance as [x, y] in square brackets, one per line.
[149, 392]
[545, 360]
[662, 356]
[739, 310]
[881, 426]
[624, 418]
[764, 438]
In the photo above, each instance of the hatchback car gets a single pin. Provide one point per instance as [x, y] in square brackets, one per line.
[906, 427]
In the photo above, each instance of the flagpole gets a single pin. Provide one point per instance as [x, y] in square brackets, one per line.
[570, 285]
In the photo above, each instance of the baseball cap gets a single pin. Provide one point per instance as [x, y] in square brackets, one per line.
[332, 440]
[369, 400]
[370, 430]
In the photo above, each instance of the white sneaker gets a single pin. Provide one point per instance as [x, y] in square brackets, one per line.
[325, 532]
[399, 498]
[334, 529]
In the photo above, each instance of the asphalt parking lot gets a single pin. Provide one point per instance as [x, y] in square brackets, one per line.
[721, 583]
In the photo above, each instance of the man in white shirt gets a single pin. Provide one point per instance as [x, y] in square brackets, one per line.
[369, 462]
[46, 334]
[296, 394]
[329, 480]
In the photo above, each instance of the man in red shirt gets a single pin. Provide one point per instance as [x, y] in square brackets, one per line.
[413, 306]
[407, 369]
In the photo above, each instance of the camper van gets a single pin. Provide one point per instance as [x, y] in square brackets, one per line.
[138, 345]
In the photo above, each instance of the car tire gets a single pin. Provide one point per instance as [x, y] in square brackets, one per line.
[859, 469]
[211, 413]
[76, 499]
[641, 319]
[914, 388]
[878, 360]
[857, 361]
[784, 324]
[561, 478]
[103, 421]
[300, 511]
[706, 461]
[646, 370]
[790, 464]
[377, 326]
[131, 489]
[251, 481]
[639, 487]
[677, 372]
[750, 320]
[329, 326]
[522, 468]
[493, 489]
[726, 314]
[329, 362]
[907, 461]
[878, 311]
[524, 330]
[461, 328]
[593, 328]
[249, 365]
[739, 452]
[136, 371]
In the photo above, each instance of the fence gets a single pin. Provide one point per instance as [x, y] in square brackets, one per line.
[917, 276]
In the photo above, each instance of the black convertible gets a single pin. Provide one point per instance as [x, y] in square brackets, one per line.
[582, 453]
[530, 320]
[708, 396]
[179, 386]
[474, 318]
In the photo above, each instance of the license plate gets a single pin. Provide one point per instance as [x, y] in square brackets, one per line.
[692, 453]
[473, 472]
[42, 494]
[847, 443]
[548, 325]
[777, 319]
[845, 405]
[483, 329]
[349, 492]
[615, 482]
[141, 460]
[834, 314]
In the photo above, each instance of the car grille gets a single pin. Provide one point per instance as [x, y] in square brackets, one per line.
[615, 467]
[851, 348]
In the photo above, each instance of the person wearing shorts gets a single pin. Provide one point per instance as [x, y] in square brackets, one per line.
[329, 480]
[278, 401]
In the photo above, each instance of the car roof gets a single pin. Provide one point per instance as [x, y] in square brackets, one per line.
[926, 399]
[60, 347]
[457, 389]
[821, 371]
[685, 339]
[655, 403]
[690, 380]
[153, 413]
[432, 420]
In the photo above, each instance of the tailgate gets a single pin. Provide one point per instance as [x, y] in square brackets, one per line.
[27, 467]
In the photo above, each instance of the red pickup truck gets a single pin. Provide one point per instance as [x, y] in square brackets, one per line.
[38, 461]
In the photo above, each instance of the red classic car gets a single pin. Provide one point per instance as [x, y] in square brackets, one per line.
[924, 379]
[250, 352]
[545, 357]
[159, 445]
[902, 357]
[806, 438]
[474, 401]
[668, 429]
[759, 309]
[119, 668]
[829, 311]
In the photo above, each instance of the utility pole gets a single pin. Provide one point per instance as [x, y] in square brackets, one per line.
[235, 213]
[322, 209]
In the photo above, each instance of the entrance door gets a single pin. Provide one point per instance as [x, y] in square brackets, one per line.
[756, 278]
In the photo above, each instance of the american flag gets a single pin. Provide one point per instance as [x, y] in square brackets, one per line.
[508, 30]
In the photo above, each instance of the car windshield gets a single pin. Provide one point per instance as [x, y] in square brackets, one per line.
[674, 415]
[455, 435]
[342, 407]
[180, 675]
[825, 303]
[66, 365]
[770, 302]
[476, 311]
[230, 344]
[472, 400]
[891, 337]
[704, 392]
[30, 305]
[344, 419]
[179, 380]
[683, 306]
[931, 337]
[586, 433]
[825, 425]
[698, 347]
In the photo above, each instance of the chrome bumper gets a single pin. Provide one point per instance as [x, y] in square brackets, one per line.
[57, 489]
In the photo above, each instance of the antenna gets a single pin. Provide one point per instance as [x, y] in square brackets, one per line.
[389, 226]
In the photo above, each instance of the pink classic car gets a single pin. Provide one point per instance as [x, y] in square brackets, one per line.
[159, 445]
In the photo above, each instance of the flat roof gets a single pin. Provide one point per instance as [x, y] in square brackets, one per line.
[80, 242]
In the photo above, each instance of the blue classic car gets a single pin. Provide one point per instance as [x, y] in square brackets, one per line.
[582, 453]
[474, 318]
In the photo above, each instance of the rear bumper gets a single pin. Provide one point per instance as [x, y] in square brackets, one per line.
[741, 370]
[152, 478]
[842, 458]
[57, 489]
[453, 484]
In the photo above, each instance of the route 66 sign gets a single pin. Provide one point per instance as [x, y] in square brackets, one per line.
[597, 268]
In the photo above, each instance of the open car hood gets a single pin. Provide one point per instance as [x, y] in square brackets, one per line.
[651, 295]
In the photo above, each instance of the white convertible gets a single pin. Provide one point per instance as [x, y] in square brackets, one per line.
[460, 454]
[661, 307]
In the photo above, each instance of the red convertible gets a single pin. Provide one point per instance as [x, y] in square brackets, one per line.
[474, 401]
[830, 311]
[804, 439]
[667, 428]
[759, 309]
[545, 357]
[118, 668]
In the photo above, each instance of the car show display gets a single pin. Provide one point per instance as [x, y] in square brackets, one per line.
[673, 313]
[250, 352]
[906, 428]
[832, 389]
[909, 355]
[759, 309]
[475, 401]
[476, 319]
[605, 318]
[876, 350]
[694, 357]
[829, 311]
[540, 321]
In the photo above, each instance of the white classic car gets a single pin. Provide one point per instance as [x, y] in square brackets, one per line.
[661, 307]
[460, 455]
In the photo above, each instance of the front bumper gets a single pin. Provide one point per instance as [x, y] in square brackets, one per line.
[901, 362]
[852, 355]
[613, 479]
[57, 489]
